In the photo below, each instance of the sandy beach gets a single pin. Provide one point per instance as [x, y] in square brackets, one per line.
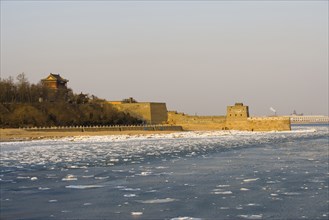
[23, 135]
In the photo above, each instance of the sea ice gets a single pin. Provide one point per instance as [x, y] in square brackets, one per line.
[130, 189]
[52, 201]
[129, 195]
[101, 177]
[186, 218]
[291, 194]
[244, 189]
[222, 193]
[70, 177]
[23, 177]
[224, 208]
[136, 213]
[43, 188]
[260, 216]
[101, 150]
[145, 173]
[250, 180]
[253, 204]
[157, 201]
[84, 186]
[89, 176]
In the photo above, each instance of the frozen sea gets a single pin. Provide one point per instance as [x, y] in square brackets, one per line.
[185, 176]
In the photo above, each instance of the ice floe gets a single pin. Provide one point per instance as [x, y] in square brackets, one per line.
[260, 216]
[128, 189]
[291, 193]
[185, 218]
[52, 201]
[101, 177]
[244, 189]
[221, 186]
[23, 177]
[222, 192]
[136, 213]
[253, 204]
[129, 195]
[43, 188]
[84, 186]
[224, 208]
[157, 201]
[250, 180]
[70, 177]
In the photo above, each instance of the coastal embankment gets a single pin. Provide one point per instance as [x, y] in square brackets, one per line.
[36, 133]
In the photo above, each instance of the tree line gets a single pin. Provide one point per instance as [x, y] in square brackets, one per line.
[24, 104]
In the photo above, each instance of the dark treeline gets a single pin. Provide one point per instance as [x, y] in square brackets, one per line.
[24, 104]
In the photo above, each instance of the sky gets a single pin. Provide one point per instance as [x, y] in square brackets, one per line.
[196, 56]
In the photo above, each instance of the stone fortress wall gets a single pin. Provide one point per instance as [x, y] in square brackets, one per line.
[237, 117]
[269, 124]
[150, 112]
[189, 122]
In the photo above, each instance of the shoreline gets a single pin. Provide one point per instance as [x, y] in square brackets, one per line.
[17, 135]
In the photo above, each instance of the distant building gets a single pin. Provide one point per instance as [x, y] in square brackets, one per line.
[55, 81]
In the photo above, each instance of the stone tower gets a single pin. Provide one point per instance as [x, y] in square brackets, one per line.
[237, 112]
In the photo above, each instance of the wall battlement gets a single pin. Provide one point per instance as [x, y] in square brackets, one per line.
[237, 118]
[273, 118]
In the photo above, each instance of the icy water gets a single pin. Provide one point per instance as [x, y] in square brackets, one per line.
[192, 175]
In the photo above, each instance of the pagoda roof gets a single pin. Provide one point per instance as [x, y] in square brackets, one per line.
[55, 77]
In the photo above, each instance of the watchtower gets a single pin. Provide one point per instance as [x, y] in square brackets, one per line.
[237, 112]
[55, 81]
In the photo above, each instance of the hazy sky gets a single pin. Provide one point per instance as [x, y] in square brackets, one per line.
[196, 56]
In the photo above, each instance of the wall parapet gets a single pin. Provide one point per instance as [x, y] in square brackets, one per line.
[268, 118]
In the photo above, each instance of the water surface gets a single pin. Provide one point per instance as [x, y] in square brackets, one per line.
[192, 175]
